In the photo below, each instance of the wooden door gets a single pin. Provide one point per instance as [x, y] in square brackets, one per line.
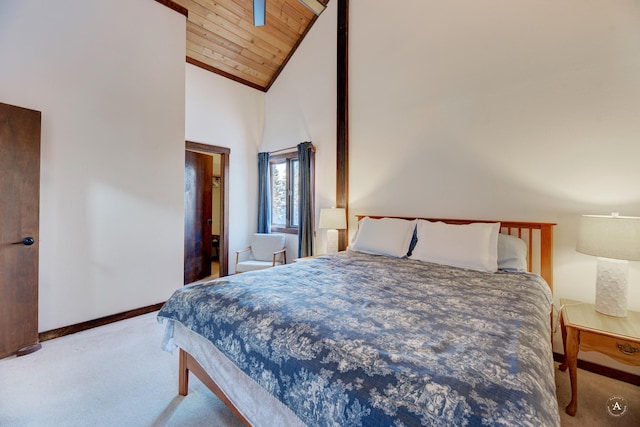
[198, 176]
[19, 221]
[225, 155]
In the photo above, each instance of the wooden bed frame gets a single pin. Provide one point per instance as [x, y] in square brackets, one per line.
[537, 235]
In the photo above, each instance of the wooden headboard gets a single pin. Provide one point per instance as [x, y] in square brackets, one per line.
[537, 235]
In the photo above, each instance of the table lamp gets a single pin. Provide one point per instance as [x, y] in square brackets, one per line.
[333, 219]
[615, 240]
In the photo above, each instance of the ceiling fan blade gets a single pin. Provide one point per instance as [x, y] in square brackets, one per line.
[259, 12]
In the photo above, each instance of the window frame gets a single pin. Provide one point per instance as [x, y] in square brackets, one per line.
[285, 158]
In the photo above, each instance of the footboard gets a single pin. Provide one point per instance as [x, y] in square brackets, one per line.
[188, 363]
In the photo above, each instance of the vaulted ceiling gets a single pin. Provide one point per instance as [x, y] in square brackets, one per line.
[221, 37]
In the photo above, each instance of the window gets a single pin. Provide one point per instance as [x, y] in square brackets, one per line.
[284, 192]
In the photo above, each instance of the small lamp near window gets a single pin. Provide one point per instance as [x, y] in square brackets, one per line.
[615, 240]
[333, 219]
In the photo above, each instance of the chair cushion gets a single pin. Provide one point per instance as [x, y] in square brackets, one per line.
[251, 265]
[264, 245]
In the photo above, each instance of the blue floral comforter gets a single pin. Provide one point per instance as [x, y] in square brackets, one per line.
[353, 339]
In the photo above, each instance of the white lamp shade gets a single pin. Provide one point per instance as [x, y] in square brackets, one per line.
[615, 240]
[613, 236]
[333, 218]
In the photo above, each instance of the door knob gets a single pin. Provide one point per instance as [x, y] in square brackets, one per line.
[27, 241]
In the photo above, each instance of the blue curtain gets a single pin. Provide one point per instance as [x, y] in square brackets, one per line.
[264, 194]
[306, 221]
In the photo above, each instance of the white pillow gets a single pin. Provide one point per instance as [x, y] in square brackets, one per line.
[512, 253]
[384, 236]
[473, 246]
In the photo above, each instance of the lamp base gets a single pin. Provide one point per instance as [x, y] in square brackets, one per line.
[332, 241]
[611, 287]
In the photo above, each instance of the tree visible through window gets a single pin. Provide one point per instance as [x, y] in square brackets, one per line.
[285, 177]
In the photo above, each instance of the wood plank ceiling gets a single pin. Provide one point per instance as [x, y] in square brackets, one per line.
[221, 37]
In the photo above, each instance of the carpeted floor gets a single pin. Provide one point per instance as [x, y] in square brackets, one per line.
[117, 375]
[593, 393]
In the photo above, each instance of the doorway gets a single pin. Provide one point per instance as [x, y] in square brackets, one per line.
[206, 211]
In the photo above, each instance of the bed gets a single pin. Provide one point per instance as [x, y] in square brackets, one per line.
[407, 327]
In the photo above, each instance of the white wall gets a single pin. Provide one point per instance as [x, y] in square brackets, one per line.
[224, 113]
[492, 109]
[301, 106]
[108, 77]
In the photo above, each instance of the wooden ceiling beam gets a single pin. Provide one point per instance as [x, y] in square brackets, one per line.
[220, 35]
[342, 120]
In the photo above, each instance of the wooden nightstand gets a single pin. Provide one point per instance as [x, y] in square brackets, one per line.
[583, 328]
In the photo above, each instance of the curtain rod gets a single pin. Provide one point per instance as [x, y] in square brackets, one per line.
[313, 148]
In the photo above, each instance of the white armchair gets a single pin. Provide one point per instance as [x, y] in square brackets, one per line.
[266, 250]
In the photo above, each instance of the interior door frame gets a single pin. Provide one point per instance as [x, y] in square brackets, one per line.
[224, 198]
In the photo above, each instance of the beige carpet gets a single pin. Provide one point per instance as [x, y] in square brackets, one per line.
[593, 393]
[117, 375]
